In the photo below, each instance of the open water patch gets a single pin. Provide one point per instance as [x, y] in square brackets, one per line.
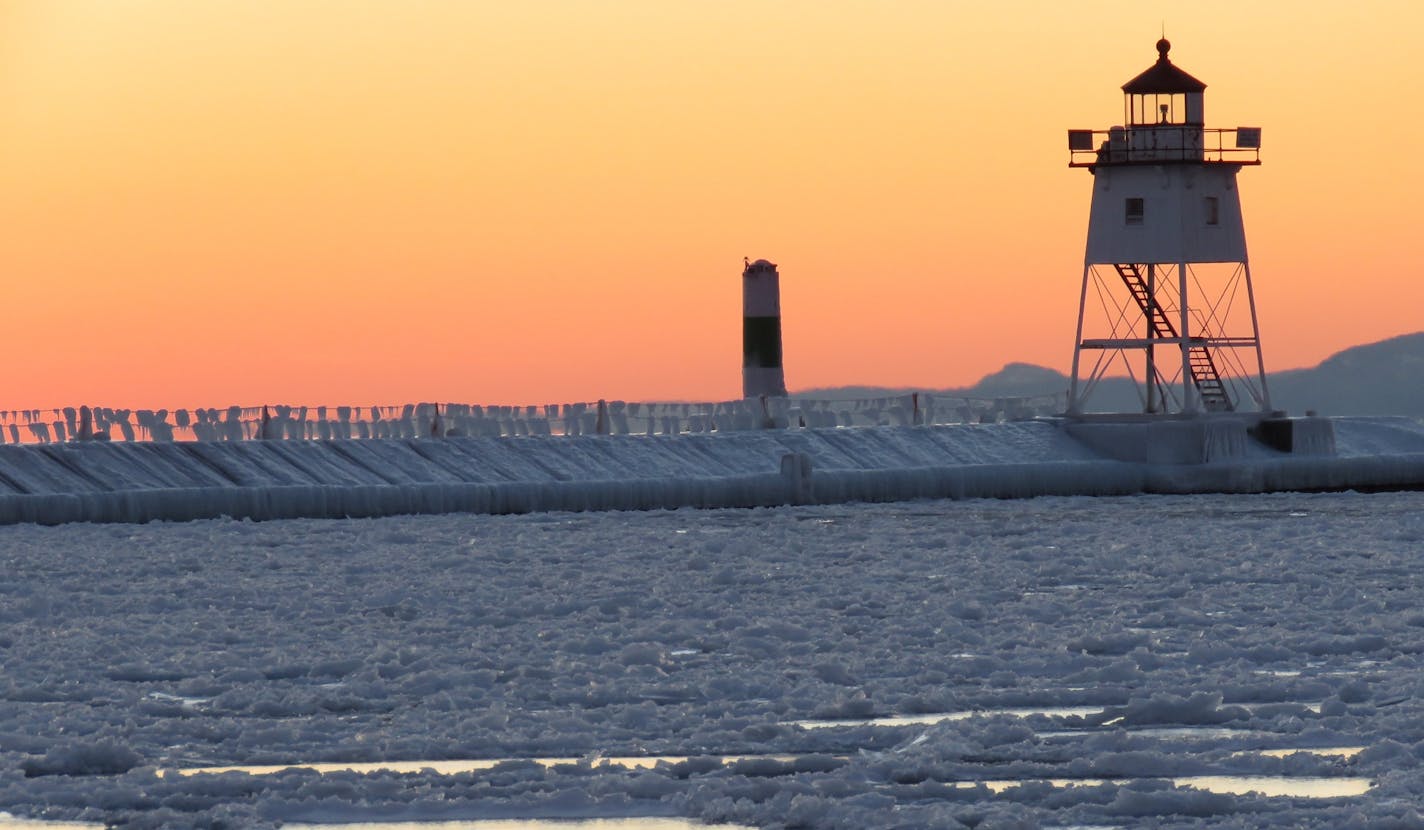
[456, 767]
[945, 717]
[9, 822]
[1185, 733]
[655, 823]
[1266, 785]
[1112, 715]
[1279, 786]
[1320, 751]
[1270, 786]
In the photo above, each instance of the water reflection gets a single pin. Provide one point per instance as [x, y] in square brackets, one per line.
[1322, 751]
[1024, 712]
[1271, 786]
[1045, 711]
[1278, 786]
[472, 765]
[943, 717]
[526, 824]
[9, 822]
[1190, 733]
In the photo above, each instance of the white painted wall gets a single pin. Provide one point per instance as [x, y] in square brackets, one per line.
[761, 291]
[1174, 227]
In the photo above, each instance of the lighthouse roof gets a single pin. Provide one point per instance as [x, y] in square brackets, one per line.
[1163, 77]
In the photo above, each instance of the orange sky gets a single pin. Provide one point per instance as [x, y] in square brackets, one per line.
[371, 201]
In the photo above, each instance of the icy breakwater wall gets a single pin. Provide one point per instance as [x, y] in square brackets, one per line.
[136, 482]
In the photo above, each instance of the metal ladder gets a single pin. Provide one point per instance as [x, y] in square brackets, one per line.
[1199, 361]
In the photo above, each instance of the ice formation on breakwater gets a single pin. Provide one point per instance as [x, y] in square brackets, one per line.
[135, 482]
[421, 420]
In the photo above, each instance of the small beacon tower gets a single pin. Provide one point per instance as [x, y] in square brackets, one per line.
[762, 375]
[1166, 295]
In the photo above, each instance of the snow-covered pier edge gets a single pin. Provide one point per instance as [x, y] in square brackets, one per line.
[139, 482]
[358, 501]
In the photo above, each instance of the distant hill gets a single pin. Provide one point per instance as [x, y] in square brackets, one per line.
[1015, 380]
[1384, 378]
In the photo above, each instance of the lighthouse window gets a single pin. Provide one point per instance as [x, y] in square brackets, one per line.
[1134, 210]
[1213, 210]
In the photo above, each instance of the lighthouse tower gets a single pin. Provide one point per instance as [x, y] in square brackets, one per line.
[1166, 295]
[762, 375]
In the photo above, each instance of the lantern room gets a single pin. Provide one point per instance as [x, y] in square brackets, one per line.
[1163, 94]
[1164, 121]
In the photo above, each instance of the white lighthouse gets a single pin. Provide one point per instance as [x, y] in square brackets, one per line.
[1166, 295]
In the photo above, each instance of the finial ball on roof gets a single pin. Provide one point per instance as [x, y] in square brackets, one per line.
[1163, 46]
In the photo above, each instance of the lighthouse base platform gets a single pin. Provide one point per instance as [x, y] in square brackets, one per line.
[1201, 439]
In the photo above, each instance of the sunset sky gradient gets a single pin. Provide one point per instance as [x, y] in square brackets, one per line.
[373, 202]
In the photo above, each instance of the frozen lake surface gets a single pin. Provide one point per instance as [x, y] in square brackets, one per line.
[1051, 662]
